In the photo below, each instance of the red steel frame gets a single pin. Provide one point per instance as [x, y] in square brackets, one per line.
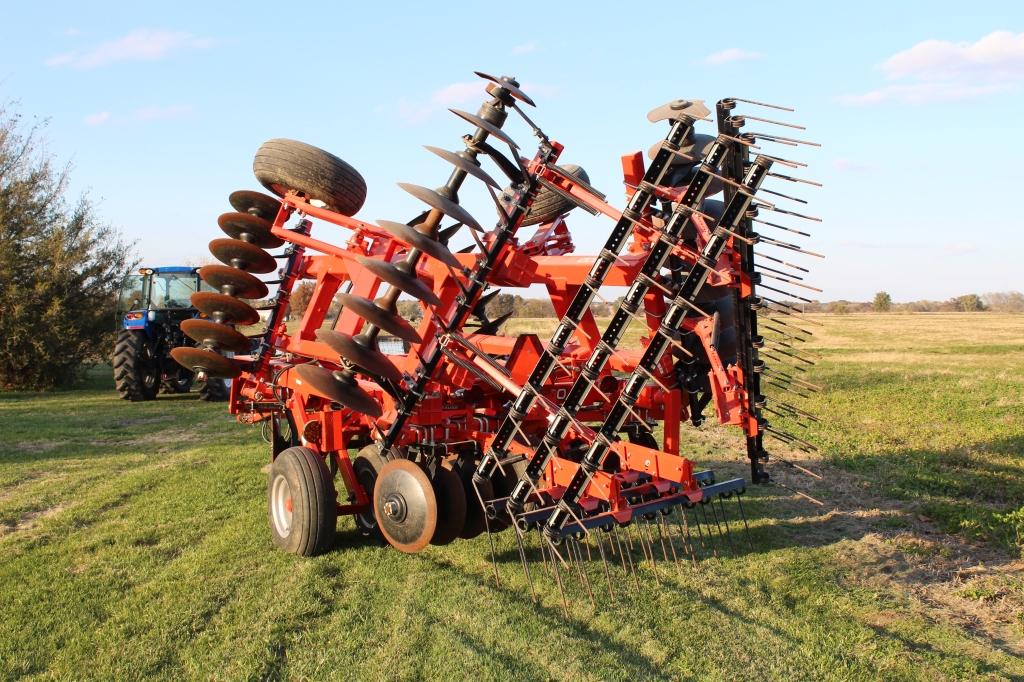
[444, 416]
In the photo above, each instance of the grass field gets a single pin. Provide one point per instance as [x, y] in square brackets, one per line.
[134, 544]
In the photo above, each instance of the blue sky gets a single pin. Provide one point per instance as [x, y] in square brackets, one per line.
[919, 108]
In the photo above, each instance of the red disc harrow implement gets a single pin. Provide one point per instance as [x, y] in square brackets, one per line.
[459, 431]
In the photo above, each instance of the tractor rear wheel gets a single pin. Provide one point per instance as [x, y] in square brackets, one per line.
[282, 165]
[301, 503]
[214, 390]
[136, 371]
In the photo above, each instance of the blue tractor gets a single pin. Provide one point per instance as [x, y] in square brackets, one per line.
[151, 307]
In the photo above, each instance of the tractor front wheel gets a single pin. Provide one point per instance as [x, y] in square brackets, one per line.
[302, 506]
[136, 371]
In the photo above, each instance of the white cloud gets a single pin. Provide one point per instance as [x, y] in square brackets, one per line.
[845, 165]
[998, 55]
[733, 54]
[142, 44]
[935, 71]
[98, 118]
[525, 48]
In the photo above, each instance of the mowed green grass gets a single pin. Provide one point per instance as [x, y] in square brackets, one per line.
[134, 544]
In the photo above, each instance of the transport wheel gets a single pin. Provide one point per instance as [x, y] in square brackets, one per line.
[136, 371]
[367, 466]
[214, 390]
[282, 165]
[549, 205]
[301, 501]
[451, 504]
[405, 505]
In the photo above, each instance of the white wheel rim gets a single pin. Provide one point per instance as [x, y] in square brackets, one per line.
[281, 505]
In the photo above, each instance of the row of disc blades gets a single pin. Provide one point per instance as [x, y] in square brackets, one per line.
[243, 253]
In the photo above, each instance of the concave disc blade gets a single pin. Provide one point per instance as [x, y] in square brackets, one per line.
[390, 322]
[213, 363]
[224, 308]
[504, 82]
[464, 164]
[370, 360]
[232, 281]
[215, 334]
[322, 382]
[486, 125]
[443, 204]
[405, 505]
[249, 228]
[410, 236]
[451, 504]
[398, 279]
[242, 255]
[255, 203]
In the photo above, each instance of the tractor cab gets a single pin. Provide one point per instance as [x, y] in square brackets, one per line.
[158, 295]
[150, 309]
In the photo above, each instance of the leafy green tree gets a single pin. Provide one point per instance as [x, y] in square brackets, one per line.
[60, 268]
[968, 303]
[882, 302]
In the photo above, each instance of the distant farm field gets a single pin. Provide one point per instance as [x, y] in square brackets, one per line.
[134, 543]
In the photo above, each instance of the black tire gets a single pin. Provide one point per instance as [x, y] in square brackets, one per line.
[136, 374]
[299, 479]
[282, 165]
[549, 205]
[367, 465]
[214, 390]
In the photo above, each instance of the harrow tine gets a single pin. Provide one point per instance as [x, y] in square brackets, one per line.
[522, 558]
[774, 122]
[784, 196]
[442, 204]
[558, 576]
[760, 104]
[684, 532]
[792, 141]
[648, 539]
[787, 293]
[663, 521]
[718, 525]
[490, 537]
[785, 162]
[776, 270]
[728, 531]
[604, 564]
[711, 537]
[800, 493]
[781, 227]
[775, 209]
[790, 178]
[779, 260]
[581, 566]
[746, 528]
[791, 281]
[625, 551]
